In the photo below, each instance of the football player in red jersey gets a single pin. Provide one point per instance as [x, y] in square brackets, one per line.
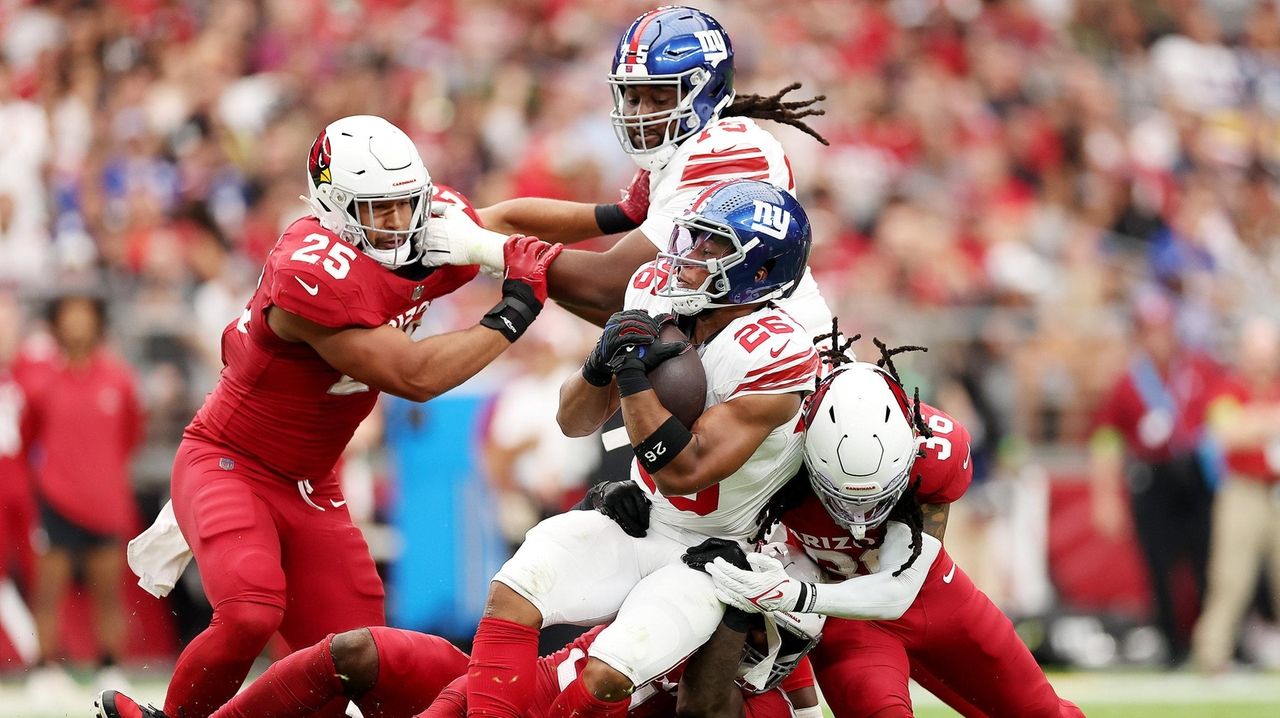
[900, 606]
[395, 673]
[253, 485]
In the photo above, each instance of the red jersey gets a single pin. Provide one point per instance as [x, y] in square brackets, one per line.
[1250, 461]
[1154, 433]
[86, 421]
[657, 698]
[944, 471]
[279, 401]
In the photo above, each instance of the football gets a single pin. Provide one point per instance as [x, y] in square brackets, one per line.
[680, 382]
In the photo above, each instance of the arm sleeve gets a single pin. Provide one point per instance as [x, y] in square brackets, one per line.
[881, 596]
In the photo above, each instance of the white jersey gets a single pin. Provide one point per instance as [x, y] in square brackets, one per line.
[729, 148]
[765, 352]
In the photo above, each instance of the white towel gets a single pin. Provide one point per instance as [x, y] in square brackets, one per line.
[158, 555]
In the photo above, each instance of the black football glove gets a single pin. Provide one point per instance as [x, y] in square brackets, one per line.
[624, 502]
[704, 553]
[646, 357]
[633, 327]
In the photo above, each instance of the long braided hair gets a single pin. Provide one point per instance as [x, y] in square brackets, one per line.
[772, 107]
[907, 510]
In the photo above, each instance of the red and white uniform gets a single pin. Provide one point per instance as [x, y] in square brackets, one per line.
[952, 639]
[254, 488]
[729, 148]
[581, 568]
[658, 698]
[765, 352]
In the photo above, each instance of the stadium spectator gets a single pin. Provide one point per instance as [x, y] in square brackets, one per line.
[1246, 510]
[87, 421]
[1150, 442]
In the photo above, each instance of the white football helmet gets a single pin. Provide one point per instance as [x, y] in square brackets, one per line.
[358, 162]
[860, 444]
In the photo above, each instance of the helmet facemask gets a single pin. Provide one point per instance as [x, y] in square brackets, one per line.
[691, 232]
[675, 125]
[405, 245]
[860, 514]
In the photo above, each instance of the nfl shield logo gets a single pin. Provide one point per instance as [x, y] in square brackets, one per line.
[417, 292]
[226, 464]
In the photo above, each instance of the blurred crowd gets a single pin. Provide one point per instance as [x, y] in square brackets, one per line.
[1009, 182]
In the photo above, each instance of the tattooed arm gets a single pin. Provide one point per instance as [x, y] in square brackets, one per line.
[935, 519]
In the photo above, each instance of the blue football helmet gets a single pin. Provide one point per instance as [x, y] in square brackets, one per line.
[679, 47]
[764, 228]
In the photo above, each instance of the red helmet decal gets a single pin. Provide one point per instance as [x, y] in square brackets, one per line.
[318, 160]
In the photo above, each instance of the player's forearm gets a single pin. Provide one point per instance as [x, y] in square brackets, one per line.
[584, 408]
[551, 220]
[707, 687]
[588, 280]
[682, 474]
[880, 596]
[442, 362]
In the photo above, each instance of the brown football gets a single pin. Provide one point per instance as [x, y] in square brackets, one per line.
[680, 382]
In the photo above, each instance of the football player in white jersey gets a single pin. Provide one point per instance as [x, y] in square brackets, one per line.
[676, 113]
[742, 244]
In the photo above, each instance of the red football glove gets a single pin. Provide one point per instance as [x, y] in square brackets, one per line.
[635, 198]
[527, 259]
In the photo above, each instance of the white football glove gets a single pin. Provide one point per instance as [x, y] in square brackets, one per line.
[767, 588]
[454, 238]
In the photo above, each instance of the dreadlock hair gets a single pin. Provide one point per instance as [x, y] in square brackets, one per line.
[838, 353]
[792, 494]
[908, 511]
[773, 108]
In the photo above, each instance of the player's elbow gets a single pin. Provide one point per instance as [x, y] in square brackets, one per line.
[680, 480]
[418, 391]
[572, 425]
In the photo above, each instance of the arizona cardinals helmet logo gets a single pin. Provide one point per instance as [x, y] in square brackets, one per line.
[318, 160]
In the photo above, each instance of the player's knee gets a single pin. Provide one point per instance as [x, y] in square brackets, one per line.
[355, 660]
[508, 605]
[604, 682]
[249, 620]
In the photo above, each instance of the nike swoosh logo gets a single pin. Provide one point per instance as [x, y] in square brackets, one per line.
[968, 452]
[311, 289]
[778, 353]
[946, 578]
[777, 593]
[723, 150]
[337, 504]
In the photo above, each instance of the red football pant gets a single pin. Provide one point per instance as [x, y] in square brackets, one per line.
[269, 562]
[953, 640]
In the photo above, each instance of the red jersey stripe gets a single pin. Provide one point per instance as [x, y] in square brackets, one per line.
[746, 165]
[782, 362]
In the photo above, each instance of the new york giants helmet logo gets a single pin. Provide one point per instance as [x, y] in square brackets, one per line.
[770, 219]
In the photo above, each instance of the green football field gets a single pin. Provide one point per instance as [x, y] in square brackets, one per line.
[1101, 695]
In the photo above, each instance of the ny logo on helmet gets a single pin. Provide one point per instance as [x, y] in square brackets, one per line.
[713, 47]
[770, 219]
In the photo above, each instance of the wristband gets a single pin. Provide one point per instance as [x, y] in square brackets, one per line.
[517, 310]
[611, 219]
[632, 381]
[661, 447]
[808, 596]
